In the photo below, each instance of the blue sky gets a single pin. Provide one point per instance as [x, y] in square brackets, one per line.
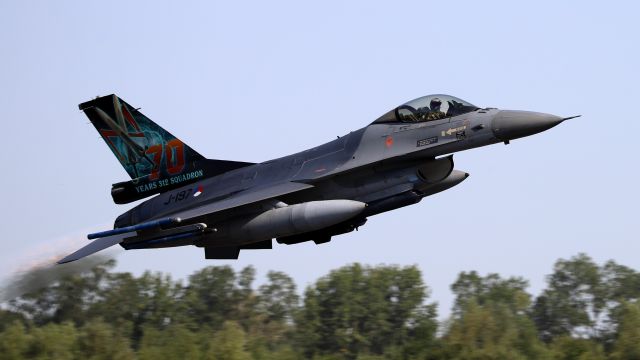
[255, 81]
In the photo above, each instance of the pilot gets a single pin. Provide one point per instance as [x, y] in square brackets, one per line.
[435, 112]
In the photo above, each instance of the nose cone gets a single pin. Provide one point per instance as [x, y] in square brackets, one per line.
[512, 124]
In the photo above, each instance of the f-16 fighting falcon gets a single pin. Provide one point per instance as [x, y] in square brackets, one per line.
[227, 206]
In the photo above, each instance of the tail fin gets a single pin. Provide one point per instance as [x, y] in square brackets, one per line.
[155, 159]
[139, 144]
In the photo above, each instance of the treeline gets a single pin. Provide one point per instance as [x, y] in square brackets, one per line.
[587, 311]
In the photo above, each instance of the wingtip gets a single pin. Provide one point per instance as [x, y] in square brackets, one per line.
[66, 259]
[571, 117]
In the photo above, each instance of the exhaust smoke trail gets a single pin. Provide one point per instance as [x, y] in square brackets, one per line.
[38, 269]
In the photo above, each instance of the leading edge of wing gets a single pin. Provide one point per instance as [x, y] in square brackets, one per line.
[245, 197]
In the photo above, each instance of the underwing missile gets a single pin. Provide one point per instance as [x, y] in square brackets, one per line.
[144, 226]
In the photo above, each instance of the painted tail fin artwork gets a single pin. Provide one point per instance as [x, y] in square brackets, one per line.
[155, 160]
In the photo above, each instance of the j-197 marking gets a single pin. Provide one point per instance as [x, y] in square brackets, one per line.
[179, 196]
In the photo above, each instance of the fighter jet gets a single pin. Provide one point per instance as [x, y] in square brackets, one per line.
[227, 206]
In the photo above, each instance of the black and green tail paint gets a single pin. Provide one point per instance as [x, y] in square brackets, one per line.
[155, 160]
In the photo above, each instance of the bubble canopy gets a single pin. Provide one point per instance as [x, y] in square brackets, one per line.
[427, 108]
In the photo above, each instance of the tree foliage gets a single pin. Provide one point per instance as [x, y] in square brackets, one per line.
[357, 309]
[587, 311]
[584, 299]
[490, 320]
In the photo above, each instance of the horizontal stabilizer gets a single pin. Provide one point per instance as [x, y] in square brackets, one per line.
[105, 239]
[97, 245]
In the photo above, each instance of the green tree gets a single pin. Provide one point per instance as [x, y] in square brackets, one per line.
[277, 299]
[228, 343]
[274, 308]
[244, 299]
[622, 287]
[53, 342]
[573, 301]
[569, 348]
[211, 296]
[14, 341]
[627, 343]
[490, 320]
[585, 300]
[131, 304]
[97, 341]
[621, 282]
[490, 289]
[9, 318]
[173, 342]
[357, 310]
[354, 312]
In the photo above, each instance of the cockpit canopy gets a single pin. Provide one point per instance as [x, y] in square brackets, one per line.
[427, 108]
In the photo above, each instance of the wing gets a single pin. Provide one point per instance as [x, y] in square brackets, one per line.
[155, 230]
[242, 198]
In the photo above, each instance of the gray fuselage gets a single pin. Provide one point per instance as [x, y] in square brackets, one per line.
[379, 165]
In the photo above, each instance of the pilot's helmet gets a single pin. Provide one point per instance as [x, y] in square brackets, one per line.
[435, 104]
